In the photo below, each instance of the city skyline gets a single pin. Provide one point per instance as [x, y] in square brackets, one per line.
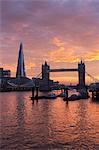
[61, 33]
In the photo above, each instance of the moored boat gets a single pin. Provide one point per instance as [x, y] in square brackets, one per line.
[51, 96]
[62, 94]
[74, 97]
[84, 95]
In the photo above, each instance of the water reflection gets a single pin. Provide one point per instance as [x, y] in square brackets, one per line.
[20, 108]
[48, 123]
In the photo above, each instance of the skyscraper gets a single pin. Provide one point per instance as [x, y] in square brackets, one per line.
[20, 66]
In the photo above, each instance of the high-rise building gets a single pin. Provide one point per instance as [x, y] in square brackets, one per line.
[20, 66]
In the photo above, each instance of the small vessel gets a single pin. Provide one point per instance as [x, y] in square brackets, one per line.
[74, 97]
[62, 94]
[51, 96]
[83, 95]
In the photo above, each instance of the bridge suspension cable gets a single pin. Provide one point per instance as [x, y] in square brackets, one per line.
[93, 78]
[39, 75]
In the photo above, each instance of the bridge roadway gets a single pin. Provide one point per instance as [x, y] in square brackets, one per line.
[63, 70]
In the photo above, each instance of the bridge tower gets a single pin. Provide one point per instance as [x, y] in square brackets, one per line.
[81, 74]
[45, 73]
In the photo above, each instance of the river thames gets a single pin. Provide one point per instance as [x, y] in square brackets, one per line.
[48, 124]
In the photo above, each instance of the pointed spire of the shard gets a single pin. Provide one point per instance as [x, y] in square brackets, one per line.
[20, 66]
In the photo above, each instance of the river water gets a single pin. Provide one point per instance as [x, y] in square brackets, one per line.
[48, 124]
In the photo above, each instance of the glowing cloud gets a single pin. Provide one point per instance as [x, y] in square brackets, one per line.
[63, 53]
[59, 31]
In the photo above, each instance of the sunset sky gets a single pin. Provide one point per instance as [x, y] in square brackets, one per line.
[60, 31]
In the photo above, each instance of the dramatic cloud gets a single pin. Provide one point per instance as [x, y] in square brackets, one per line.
[65, 53]
[59, 31]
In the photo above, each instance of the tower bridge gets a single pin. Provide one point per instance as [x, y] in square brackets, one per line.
[80, 69]
[62, 70]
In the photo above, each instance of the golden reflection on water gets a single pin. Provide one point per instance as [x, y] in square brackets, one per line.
[48, 123]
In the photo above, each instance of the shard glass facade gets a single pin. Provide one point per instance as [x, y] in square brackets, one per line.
[20, 66]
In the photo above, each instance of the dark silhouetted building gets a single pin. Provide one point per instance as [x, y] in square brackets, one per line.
[20, 66]
[5, 73]
[81, 74]
[20, 82]
[44, 83]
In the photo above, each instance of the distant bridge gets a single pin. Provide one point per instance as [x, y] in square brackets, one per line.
[62, 70]
[46, 70]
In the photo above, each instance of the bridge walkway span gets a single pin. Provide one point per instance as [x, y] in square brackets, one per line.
[63, 70]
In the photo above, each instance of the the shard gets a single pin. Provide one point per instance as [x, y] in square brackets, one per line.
[20, 66]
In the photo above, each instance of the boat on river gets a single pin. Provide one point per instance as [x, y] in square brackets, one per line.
[51, 96]
[48, 96]
[63, 94]
[82, 94]
[74, 97]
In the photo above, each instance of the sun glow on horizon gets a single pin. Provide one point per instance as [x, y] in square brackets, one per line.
[62, 33]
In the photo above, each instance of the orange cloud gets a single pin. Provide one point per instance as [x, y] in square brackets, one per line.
[63, 53]
[92, 55]
[30, 65]
[58, 42]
